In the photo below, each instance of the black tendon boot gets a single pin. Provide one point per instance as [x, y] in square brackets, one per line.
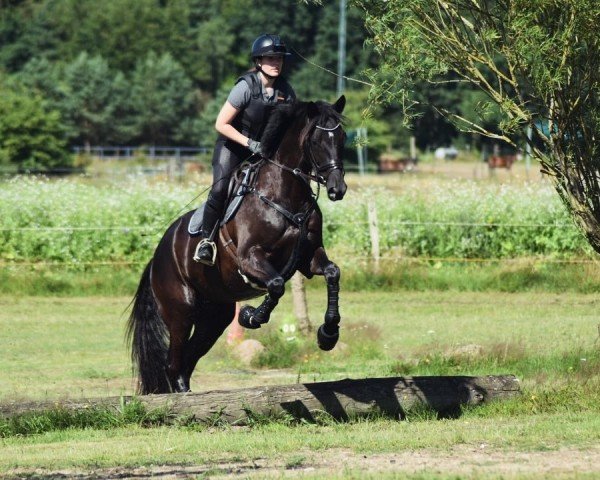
[206, 250]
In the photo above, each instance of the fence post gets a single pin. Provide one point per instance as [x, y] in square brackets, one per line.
[171, 168]
[179, 164]
[359, 152]
[413, 148]
[235, 333]
[300, 306]
[374, 233]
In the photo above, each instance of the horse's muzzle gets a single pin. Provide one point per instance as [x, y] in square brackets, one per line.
[336, 185]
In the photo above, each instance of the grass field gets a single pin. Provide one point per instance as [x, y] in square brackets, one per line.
[62, 336]
[73, 347]
[55, 347]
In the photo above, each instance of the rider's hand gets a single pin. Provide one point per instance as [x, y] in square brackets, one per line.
[254, 146]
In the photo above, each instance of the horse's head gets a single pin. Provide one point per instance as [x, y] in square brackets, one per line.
[324, 145]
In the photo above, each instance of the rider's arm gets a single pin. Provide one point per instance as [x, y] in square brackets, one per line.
[224, 127]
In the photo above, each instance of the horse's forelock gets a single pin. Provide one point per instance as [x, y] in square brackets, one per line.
[307, 129]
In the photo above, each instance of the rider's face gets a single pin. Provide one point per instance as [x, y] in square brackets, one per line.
[271, 65]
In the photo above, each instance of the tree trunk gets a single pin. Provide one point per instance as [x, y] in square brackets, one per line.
[342, 399]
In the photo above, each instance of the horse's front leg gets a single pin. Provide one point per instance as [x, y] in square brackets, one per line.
[259, 271]
[328, 333]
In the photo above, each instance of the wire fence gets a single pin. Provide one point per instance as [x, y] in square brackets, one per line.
[399, 223]
[361, 260]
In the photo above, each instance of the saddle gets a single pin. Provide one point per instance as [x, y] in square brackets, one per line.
[241, 183]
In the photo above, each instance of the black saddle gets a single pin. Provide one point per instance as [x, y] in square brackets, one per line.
[240, 185]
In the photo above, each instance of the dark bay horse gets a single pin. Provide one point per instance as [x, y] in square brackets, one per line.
[182, 307]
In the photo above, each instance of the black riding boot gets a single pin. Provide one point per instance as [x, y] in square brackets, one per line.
[206, 250]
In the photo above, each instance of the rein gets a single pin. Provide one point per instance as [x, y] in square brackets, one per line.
[298, 219]
[307, 177]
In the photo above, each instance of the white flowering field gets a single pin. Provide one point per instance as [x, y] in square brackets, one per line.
[78, 221]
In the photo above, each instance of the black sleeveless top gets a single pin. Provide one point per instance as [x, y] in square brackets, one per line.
[252, 120]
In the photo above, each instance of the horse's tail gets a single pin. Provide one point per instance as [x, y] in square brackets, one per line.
[148, 335]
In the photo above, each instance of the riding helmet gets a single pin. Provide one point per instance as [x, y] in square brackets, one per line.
[268, 45]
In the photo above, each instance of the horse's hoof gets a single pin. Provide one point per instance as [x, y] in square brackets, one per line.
[246, 317]
[179, 385]
[325, 340]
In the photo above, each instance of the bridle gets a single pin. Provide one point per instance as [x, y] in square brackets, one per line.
[320, 170]
[299, 219]
[332, 163]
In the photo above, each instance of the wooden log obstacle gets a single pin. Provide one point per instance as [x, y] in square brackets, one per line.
[341, 399]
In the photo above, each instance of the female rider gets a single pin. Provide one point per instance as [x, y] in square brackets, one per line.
[240, 123]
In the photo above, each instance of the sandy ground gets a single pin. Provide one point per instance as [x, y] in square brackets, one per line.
[461, 461]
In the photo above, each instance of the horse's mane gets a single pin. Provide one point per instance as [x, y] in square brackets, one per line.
[285, 115]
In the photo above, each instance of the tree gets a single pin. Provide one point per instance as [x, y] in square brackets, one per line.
[378, 130]
[214, 44]
[89, 99]
[26, 31]
[538, 60]
[312, 82]
[161, 97]
[45, 78]
[31, 136]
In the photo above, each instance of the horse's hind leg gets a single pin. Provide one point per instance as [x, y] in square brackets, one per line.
[208, 322]
[209, 325]
[180, 320]
[328, 333]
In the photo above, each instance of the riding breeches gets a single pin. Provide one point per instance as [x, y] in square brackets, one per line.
[226, 158]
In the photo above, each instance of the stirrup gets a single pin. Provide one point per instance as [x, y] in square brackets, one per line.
[212, 245]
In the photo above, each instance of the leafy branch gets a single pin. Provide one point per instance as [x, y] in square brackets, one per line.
[538, 61]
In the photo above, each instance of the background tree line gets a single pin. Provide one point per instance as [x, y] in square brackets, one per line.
[155, 72]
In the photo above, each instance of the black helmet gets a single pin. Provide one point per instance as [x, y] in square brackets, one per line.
[268, 45]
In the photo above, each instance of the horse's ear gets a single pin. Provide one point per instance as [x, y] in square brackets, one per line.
[340, 104]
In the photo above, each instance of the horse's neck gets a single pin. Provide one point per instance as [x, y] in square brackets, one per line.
[277, 178]
[281, 182]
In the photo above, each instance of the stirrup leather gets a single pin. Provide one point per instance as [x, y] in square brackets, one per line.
[212, 245]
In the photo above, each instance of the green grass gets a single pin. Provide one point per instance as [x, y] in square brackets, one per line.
[98, 418]
[523, 275]
[277, 442]
[73, 347]
[527, 314]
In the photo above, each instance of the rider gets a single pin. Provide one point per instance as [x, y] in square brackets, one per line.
[240, 124]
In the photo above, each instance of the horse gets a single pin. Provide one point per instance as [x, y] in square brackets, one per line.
[501, 161]
[182, 307]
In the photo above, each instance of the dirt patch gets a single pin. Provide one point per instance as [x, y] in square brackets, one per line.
[466, 461]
